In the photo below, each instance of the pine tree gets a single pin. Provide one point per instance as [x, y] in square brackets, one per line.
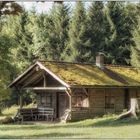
[122, 24]
[135, 49]
[98, 29]
[23, 39]
[41, 28]
[50, 33]
[58, 31]
[77, 49]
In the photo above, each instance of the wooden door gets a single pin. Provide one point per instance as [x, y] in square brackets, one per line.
[62, 104]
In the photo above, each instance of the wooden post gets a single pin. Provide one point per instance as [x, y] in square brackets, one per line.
[69, 94]
[20, 100]
[68, 115]
[45, 81]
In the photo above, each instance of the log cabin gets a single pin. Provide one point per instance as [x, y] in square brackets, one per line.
[78, 91]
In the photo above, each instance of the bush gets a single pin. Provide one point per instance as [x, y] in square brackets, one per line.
[7, 120]
[10, 111]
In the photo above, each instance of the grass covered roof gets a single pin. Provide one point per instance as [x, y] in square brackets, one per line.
[91, 75]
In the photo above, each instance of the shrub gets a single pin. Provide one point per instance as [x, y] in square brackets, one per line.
[7, 120]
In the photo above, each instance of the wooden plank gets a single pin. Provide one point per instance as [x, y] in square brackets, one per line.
[21, 100]
[45, 80]
[47, 88]
[32, 79]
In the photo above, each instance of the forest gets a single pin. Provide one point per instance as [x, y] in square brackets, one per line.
[65, 33]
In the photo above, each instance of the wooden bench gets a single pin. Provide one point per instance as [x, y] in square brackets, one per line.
[28, 114]
[36, 114]
[47, 113]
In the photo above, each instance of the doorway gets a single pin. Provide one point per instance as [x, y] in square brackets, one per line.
[62, 103]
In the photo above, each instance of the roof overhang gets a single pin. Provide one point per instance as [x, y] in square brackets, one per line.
[102, 86]
[41, 66]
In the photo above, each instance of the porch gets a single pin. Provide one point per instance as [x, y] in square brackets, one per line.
[53, 97]
[53, 104]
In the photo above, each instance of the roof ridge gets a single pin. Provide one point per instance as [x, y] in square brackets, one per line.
[126, 66]
[85, 63]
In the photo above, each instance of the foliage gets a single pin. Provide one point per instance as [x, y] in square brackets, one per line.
[66, 34]
[122, 19]
[97, 29]
[10, 8]
[77, 47]
[135, 49]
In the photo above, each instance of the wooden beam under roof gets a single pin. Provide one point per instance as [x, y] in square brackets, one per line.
[32, 79]
[24, 73]
[47, 88]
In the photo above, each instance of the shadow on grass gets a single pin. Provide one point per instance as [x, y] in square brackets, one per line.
[48, 135]
[110, 122]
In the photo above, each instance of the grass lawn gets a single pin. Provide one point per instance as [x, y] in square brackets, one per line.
[105, 127]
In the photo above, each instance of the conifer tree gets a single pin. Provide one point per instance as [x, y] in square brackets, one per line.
[58, 31]
[135, 49]
[97, 28]
[23, 38]
[77, 48]
[122, 23]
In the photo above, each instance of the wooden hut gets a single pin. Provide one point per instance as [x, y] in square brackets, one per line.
[78, 91]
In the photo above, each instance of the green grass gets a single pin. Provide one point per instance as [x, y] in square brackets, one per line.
[106, 127]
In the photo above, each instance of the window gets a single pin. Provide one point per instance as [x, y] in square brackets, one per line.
[46, 100]
[109, 101]
[79, 101]
[43, 101]
[49, 101]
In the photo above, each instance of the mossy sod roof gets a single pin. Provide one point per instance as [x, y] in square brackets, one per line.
[91, 75]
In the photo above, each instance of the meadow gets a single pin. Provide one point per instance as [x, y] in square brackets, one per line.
[103, 127]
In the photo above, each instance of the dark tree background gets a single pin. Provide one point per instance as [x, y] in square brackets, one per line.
[66, 34]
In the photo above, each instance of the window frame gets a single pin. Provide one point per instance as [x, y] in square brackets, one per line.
[109, 104]
[80, 104]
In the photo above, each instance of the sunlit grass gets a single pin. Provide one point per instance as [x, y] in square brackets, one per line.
[11, 111]
[106, 127]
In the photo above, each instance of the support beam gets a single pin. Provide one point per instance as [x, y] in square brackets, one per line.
[32, 79]
[21, 100]
[47, 88]
[45, 80]
[68, 91]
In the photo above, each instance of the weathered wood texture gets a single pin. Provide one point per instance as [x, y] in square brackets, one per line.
[42, 100]
[94, 101]
[97, 105]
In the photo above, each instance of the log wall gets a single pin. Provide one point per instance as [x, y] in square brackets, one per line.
[97, 106]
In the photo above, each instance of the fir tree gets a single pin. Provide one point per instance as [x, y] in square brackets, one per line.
[77, 49]
[23, 38]
[121, 38]
[97, 28]
[135, 49]
[58, 31]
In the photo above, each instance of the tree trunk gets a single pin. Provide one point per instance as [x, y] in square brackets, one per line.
[134, 108]
[0, 111]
